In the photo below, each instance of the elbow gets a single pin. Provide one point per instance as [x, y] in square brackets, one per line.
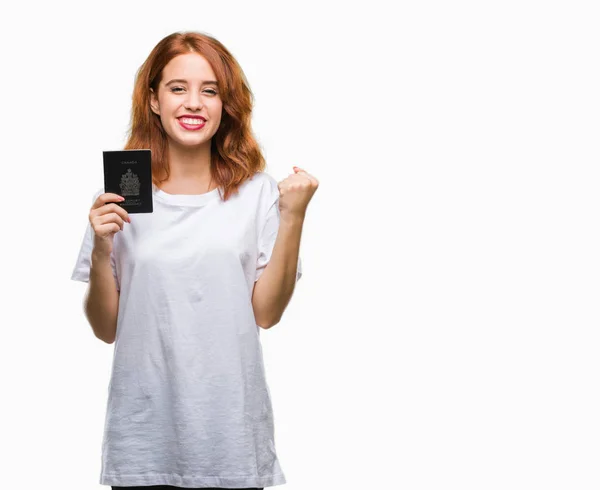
[261, 318]
[107, 335]
[265, 323]
[110, 340]
[271, 323]
[103, 328]
[266, 314]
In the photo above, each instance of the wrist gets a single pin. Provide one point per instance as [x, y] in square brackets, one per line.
[100, 257]
[292, 218]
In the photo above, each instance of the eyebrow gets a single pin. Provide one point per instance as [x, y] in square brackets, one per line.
[180, 80]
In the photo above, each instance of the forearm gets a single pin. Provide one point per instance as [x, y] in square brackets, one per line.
[274, 288]
[102, 299]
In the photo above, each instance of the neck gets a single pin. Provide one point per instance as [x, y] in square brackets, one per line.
[190, 168]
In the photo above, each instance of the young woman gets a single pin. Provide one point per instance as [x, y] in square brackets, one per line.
[184, 291]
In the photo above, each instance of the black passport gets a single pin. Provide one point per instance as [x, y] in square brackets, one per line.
[128, 173]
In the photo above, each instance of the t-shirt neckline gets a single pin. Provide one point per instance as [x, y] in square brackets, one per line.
[192, 200]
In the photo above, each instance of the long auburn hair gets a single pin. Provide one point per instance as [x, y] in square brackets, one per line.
[235, 153]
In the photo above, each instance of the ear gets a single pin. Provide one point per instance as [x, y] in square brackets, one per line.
[154, 103]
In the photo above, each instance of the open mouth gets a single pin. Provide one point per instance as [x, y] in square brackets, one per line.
[191, 123]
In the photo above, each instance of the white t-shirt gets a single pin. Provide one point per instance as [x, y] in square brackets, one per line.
[188, 402]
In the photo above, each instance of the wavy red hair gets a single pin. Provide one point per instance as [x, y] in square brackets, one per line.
[235, 153]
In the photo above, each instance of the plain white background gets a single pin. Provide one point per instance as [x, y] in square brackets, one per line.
[445, 332]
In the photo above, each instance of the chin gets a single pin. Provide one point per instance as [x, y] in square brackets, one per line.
[191, 143]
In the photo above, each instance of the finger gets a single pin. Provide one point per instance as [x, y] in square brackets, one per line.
[298, 170]
[112, 207]
[106, 219]
[106, 198]
[107, 229]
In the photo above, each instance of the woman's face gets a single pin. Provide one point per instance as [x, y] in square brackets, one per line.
[186, 90]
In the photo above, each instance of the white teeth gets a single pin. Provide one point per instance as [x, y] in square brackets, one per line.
[192, 121]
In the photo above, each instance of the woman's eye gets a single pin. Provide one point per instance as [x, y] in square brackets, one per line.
[210, 91]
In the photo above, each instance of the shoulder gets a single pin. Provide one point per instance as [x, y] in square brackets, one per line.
[267, 183]
[264, 180]
[265, 186]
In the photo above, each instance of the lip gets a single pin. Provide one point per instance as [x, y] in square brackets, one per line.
[191, 116]
[192, 127]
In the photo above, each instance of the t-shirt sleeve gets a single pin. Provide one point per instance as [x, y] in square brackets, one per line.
[81, 271]
[267, 237]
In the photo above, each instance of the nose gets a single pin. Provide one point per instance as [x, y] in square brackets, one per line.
[193, 101]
